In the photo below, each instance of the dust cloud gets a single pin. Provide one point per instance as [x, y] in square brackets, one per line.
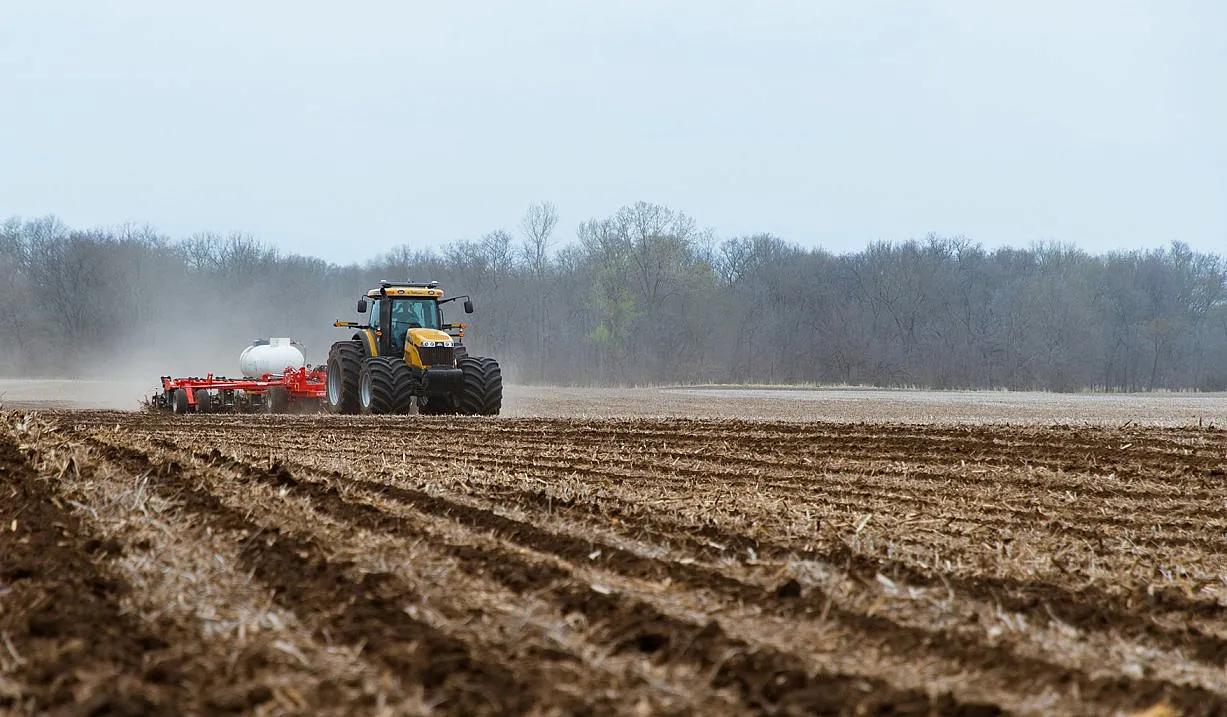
[185, 336]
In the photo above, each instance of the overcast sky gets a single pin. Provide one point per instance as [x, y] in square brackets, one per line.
[343, 129]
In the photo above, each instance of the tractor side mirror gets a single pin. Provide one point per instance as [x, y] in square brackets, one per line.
[362, 305]
[468, 306]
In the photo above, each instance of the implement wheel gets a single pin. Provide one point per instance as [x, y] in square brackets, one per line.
[481, 389]
[178, 400]
[344, 367]
[277, 400]
[384, 386]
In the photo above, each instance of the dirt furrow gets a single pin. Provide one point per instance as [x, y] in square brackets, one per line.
[859, 496]
[1131, 613]
[958, 499]
[1021, 523]
[702, 458]
[366, 610]
[768, 437]
[628, 624]
[581, 679]
[66, 641]
[884, 634]
[1042, 568]
[234, 650]
[620, 625]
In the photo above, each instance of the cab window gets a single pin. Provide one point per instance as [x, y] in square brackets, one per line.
[375, 314]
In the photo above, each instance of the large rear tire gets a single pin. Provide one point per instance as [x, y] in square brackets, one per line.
[481, 389]
[384, 386]
[344, 368]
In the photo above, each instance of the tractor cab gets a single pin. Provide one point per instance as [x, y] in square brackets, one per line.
[393, 317]
[407, 318]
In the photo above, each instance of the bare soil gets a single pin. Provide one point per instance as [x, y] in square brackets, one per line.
[631, 565]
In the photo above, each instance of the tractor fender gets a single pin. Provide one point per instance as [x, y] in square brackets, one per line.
[370, 346]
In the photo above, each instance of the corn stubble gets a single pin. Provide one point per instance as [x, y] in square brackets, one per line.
[325, 565]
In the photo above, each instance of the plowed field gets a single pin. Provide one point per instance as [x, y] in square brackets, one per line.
[155, 564]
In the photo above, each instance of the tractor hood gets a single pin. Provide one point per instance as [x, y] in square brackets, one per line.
[429, 337]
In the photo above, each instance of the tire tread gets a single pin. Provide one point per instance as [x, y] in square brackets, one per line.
[481, 389]
[390, 385]
[346, 357]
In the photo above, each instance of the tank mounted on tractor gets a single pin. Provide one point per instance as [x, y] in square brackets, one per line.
[407, 354]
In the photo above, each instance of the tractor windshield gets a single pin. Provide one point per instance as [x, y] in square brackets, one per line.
[412, 314]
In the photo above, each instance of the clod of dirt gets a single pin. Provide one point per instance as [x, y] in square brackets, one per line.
[239, 698]
[115, 705]
[650, 642]
[104, 548]
[282, 475]
[12, 575]
[167, 672]
[789, 589]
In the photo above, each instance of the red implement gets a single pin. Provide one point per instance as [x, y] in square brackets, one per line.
[295, 389]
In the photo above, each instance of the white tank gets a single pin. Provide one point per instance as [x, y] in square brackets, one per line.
[270, 356]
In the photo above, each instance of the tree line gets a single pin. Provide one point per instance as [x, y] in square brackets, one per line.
[644, 296]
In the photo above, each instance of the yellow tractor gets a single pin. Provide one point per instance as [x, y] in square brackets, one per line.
[407, 354]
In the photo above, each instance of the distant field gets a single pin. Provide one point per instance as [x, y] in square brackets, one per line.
[789, 404]
[619, 552]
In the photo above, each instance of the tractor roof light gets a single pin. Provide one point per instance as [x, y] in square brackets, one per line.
[384, 285]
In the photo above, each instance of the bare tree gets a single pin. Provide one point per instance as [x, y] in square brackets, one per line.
[538, 227]
[647, 297]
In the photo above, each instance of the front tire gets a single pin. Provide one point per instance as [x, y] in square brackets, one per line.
[344, 368]
[383, 386]
[481, 389]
